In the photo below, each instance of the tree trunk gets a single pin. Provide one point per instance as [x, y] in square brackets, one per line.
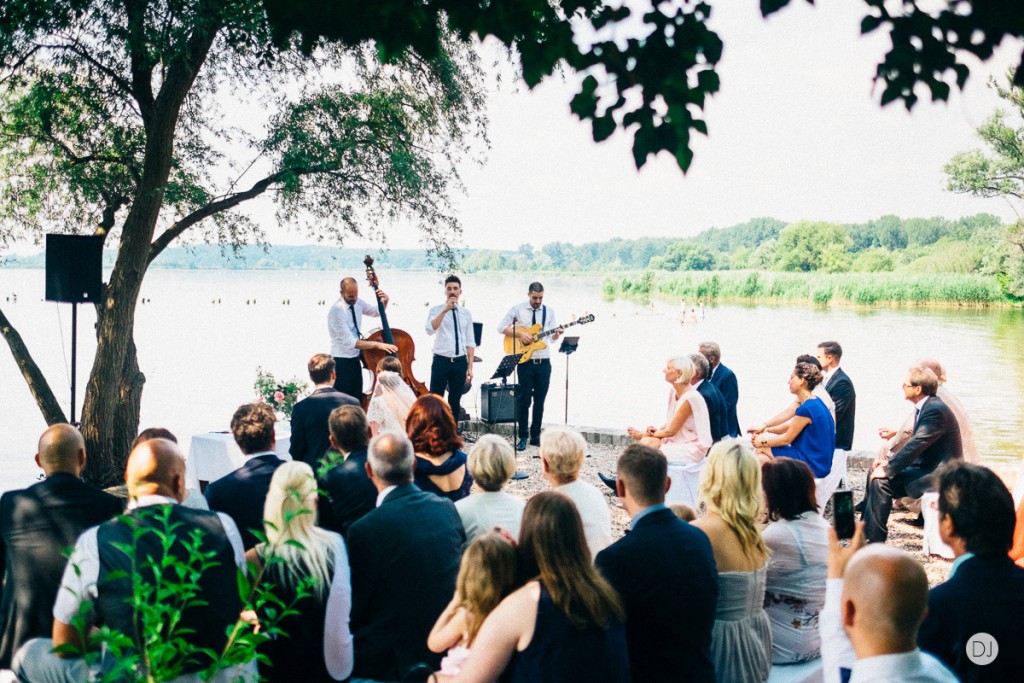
[37, 384]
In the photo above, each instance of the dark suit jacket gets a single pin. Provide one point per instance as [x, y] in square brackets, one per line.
[241, 494]
[36, 525]
[404, 556]
[840, 388]
[665, 572]
[725, 380]
[309, 424]
[936, 439]
[985, 595]
[717, 414]
[348, 493]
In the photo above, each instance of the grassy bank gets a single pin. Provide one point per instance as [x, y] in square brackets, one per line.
[862, 289]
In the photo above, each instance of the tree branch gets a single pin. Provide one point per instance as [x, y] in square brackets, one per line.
[103, 68]
[37, 384]
[142, 69]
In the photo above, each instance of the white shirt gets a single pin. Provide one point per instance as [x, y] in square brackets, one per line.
[383, 494]
[523, 315]
[339, 326]
[481, 512]
[597, 519]
[826, 398]
[444, 342]
[78, 587]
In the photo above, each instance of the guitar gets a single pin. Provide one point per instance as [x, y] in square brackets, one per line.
[513, 345]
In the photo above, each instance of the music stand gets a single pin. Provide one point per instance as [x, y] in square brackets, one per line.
[568, 347]
[506, 367]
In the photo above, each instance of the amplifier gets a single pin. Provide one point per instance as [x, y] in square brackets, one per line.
[497, 403]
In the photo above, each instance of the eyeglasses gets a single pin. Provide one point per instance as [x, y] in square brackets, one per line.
[908, 386]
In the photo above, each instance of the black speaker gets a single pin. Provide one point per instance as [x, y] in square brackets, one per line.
[478, 332]
[497, 403]
[74, 268]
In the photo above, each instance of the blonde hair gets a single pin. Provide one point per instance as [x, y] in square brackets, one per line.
[683, 512]
[730, 486]
[563, 450]
[685, 367]
[491, 462]
[488, 572]
[289, 515]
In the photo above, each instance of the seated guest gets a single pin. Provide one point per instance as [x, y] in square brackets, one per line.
[810, 436]
[561, 453]
[348, 492]
[686, 435]
[875, 601]
[392, 398]
[109, 562]
[725, 380]
[665, 573]
[730, 486]
[242, 493]
[440, 462]
[309, 416]
[307, 568]
[566, 624]
[985, 590]
[193, 498]
[487, 573]
[491, 463]
[909, 472]
[404, 557]
[718, 416]
[840, 387]
[683, 512]
[963, 420]
[782, 419]
[797, 538]
[36, 525]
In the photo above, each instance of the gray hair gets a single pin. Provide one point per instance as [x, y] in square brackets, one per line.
[701, 366]
[491, 462]
[935, 366]
[711, 350]
[683, 365]
[392, 458]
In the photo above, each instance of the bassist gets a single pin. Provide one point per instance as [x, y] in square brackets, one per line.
[345, 325]
[535, 373]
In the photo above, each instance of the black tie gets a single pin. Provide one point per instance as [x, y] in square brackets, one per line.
[534, 317]
[355, 325]
[455, 324]
[917, 416]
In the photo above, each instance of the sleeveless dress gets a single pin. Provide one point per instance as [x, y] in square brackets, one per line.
[562, 653]
[425, 468]
[741, 639]
[685, 450]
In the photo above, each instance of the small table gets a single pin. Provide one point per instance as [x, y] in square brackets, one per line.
[215, 454]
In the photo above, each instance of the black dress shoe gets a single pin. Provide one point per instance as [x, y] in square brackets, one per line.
[609, 481]
[859, 507]
[521, 445]
[918, 522]
[535, 441]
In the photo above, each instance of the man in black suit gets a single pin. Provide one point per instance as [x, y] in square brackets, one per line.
[404, 557]
[36, 525]
[840, 388]
[985, 590]
[309, 416]
[934, 441]
[724, 380]
[717, 414]
[348, 493]
[665, 572]
[242, 493]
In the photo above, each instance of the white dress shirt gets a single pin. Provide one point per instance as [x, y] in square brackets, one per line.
[444, 341]
[343, 333]
[523, 314]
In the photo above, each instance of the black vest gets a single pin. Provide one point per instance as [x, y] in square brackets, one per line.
[202, 625]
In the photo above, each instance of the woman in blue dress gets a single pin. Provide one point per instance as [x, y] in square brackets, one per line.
[811, 435]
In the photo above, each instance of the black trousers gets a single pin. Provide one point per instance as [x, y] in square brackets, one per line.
[349, 376]
[449, 374]
[878, 504]
[534, 380]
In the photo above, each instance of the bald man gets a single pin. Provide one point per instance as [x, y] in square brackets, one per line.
[875, 600]
[99, 571]
[36, 525]
[345, 325]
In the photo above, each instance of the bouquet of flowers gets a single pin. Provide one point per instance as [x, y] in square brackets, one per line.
[281, 396]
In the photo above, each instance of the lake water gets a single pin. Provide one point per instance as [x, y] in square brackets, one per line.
[200, 357]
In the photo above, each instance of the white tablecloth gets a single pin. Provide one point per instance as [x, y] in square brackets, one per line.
[215, 454]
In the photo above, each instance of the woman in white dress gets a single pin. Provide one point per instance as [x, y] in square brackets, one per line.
[686, 435]
[392, 398]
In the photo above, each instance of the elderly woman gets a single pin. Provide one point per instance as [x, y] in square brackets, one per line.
[392, 398]
[492, 462]
[798, 540]
[811, 435]
[741, 639]
[561, 454]
[440, 462]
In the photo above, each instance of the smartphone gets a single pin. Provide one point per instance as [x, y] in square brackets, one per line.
[842, 513]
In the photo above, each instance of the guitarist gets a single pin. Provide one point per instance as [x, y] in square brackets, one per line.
[534, 374]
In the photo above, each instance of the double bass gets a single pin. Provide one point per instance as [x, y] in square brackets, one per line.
[400, 338]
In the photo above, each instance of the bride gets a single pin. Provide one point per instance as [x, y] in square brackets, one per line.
[391, 400]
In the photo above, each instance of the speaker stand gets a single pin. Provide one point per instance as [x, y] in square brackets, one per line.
[74, 358]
